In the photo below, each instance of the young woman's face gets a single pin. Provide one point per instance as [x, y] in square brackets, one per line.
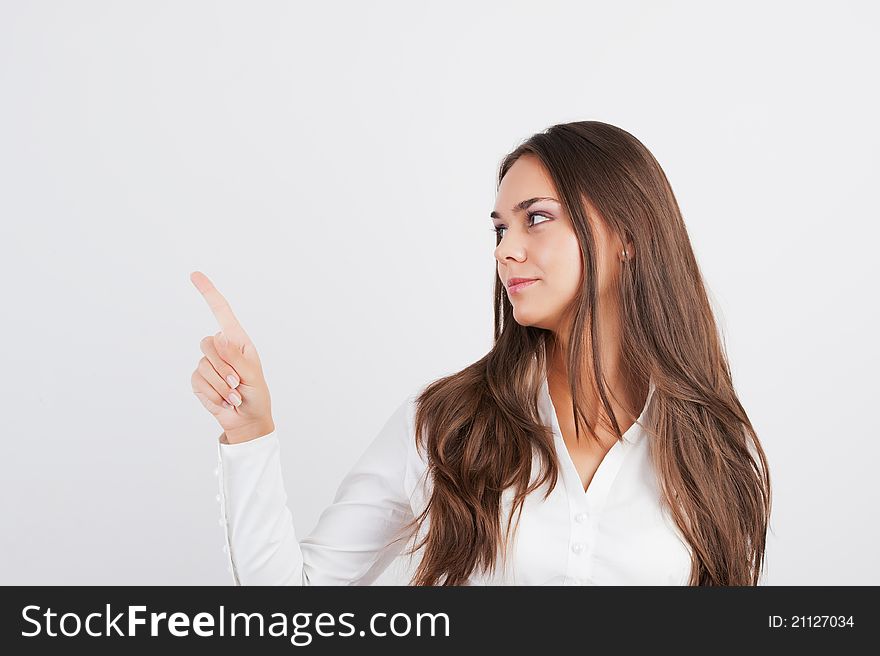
[544, 246]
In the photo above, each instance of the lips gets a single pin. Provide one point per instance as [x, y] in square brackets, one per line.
[515, 281]
[517, 287]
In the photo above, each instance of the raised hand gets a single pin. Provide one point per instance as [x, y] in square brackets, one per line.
[229, 378]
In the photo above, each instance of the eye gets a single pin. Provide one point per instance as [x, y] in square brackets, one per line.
[532, 215]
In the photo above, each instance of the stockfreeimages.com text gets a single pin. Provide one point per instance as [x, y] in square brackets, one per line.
[205, 624]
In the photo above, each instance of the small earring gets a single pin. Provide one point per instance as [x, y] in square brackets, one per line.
[623, 254]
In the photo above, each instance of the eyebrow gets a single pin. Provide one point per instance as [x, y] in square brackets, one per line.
[524, 205]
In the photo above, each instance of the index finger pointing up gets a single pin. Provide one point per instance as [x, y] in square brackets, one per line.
[219, 306]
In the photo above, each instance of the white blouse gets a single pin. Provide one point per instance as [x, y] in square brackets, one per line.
[615, 533]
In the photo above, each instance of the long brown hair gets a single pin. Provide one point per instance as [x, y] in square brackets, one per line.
[480, 427]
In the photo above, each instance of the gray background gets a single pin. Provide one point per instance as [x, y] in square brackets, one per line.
[331, 167]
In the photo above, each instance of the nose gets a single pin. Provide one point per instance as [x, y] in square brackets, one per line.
[511, 247]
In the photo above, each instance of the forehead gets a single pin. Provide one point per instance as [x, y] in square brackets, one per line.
[527, 178]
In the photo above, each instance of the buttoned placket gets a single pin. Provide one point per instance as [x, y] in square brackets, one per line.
[585, 506]
[580, 543]
[580, 556]
[578, 569]
[581, 548]
[224, 518]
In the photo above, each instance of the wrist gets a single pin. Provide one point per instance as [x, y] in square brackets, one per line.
[247, 434]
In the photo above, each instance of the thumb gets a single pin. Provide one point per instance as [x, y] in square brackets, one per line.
[238, 355]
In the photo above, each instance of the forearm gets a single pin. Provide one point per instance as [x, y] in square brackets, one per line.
[260, 535]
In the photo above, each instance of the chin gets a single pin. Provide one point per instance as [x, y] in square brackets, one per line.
[528, 319]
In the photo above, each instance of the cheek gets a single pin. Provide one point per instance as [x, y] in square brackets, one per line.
[564, 267]
[557, 260]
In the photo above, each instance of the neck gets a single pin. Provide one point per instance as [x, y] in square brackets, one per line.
[625, 395]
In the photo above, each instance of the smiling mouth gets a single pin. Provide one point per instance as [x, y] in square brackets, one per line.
[513, 289]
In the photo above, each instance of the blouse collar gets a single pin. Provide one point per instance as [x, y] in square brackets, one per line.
[548, 413]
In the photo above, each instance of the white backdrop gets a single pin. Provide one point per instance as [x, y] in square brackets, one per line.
[331, 167]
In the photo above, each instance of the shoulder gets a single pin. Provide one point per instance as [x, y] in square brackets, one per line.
[406, 416]
[408, 408]
[398, 431]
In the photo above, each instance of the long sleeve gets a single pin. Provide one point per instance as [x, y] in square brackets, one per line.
[356, 537]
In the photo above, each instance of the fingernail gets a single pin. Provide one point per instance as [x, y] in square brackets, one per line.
[232, 380]
[234, 399]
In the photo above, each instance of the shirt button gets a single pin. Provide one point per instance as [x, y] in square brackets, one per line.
[225, 548]
[581, 517]
[216, 471]
[218, 498]
[221, 521]
[577, 547]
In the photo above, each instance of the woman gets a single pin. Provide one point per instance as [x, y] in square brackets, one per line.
[603, 327]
